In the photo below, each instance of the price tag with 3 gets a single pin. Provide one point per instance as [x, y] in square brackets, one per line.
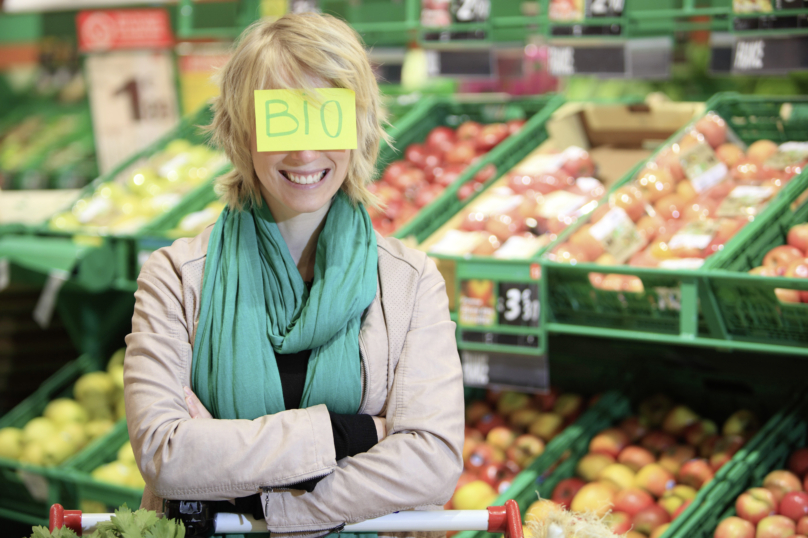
[518, 304]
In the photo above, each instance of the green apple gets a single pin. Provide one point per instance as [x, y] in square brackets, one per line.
[126, 454]
[56, 450]
[11, 443]
[32, 453]
[97, 428]
[64, 411]
[37, 429]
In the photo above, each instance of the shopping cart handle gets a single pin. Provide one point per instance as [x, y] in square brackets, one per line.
[505, 519]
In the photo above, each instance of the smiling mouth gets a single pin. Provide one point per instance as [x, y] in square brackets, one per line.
[305, 179]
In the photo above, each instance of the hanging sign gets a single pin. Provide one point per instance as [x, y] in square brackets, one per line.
[293, 120]
[133, 99]
[104, 30]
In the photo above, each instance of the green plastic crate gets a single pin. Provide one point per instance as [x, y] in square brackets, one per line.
[676, 306]
[748, 307]
[379, 22]
[789, 433]
[452, 111]
[28, 491]
[89, 489]
[696, 390]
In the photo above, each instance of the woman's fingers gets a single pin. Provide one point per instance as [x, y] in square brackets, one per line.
[195, 407]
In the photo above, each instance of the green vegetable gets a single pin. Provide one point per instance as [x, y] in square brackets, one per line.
[124, 524]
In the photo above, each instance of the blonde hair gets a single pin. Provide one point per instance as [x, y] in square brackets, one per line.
[288, 53]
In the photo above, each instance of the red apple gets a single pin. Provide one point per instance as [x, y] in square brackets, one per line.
[525, 449]
[678, 419]
[569, 406]
[635, 457]
[724, 449]
[477, 410]
[547, 426]
[781, 482]
[415, 154]
[696, 433]
[655, 182]
[775, 527]
[485, 173]
[618, 522]
[484, 454]
[673, 458]
[630, 199]
[734, 527]
[580, 165]
[798, 237]
[590, 466]
[441, 138]
[488, 423]
[802, 525]
[794, 505]
[743, 423]
[566, 490]
[761, 150]
[650, 518]
[634, 427]
[632, 500]
[449, 173]
[611, 442]
[492, 473]
[799, 269]
[595, 497]
[491, 135]
[729, 154]
[427, 195]
[673, 499]
[756, 503]
[695, 473]
[798, 462]
[468, 130]
[462, 153]
[747, 170]
[779, 258]
[657, 441]
[547, 400]
[654, 479]
[714, 129]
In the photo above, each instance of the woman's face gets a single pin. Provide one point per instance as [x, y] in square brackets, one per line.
[298, 182]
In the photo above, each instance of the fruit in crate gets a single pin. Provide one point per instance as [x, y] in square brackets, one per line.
[427, 169]
[525, 210]
[789, 260]
[140, 194]
[66, 425]
[685, 204]
[509, 430]
[122, 471]
[657, 473]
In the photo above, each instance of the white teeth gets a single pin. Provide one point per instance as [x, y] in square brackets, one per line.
[306, 180]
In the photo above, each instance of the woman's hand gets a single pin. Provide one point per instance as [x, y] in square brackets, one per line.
[195, 407]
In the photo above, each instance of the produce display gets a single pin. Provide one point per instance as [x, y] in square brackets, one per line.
[192, 224]
[776, 509]
[121, 472]
[789, 260]
[684, 205]
[128, 202]
[46, 150]
[646, 471]
[125, 523]
[69, 424]
[504, 434]
[427, 169]
[525, 210]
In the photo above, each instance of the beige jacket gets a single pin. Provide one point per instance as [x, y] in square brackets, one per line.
[411, 376]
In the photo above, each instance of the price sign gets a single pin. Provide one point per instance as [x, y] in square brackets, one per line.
[518, 304]
[471, 10]
[133, 101]
[505, 370]
[604, 8]
[640, 58]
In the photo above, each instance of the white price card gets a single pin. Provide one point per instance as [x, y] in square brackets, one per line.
[133, 100]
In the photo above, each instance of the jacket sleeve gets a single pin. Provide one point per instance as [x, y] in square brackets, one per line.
[419, 462]
[204, 459]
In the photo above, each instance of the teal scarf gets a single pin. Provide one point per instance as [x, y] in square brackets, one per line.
[254, 304]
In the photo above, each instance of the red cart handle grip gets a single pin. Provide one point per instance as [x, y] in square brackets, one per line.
[59, 517]
[505, 519]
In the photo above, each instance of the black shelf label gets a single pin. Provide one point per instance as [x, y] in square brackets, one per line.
[503, 339]
[569, 60]
[762, 56]
[505, 370]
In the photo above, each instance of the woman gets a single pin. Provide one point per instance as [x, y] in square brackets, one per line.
[289, 351]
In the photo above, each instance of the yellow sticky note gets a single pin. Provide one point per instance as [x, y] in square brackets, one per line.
[294, 120]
